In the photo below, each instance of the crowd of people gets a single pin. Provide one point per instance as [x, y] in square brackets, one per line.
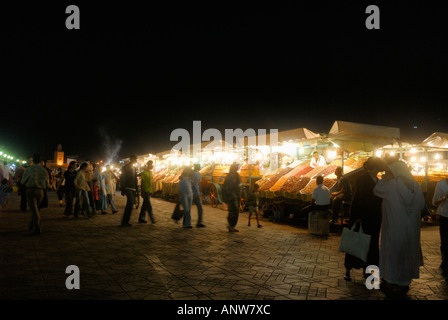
[85, 188]
[389, 209]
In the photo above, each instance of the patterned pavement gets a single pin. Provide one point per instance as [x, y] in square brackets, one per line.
[163, 261]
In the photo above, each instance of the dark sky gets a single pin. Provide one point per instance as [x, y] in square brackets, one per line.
[134, 74]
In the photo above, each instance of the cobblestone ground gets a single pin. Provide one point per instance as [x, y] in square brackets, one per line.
[164, 261]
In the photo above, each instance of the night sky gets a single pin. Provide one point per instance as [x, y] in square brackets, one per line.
[133, 74]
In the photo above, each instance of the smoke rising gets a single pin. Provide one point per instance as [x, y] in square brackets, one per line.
[111, 146]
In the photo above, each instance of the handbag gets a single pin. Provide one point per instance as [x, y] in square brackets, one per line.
[355, 243]
[177, 213]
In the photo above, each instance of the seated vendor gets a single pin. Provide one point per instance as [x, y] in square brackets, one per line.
[342, 192]
[320, 199]
[317, 160]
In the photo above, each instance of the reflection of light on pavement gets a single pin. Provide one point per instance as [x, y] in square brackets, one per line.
[165, 276]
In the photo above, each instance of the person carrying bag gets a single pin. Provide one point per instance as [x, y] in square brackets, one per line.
[177, 213]
[355, 243]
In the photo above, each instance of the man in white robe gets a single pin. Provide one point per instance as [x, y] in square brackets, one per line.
[403, 200]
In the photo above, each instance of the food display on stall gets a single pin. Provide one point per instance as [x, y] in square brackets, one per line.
[249, 171]
[207, 170]
[157, 180]
[437, 174]
[272, 180]
[293, 173]
[434, 174]
[170, 183]
[299, 185]
[267, 176]
[299, 182]
[356, 164]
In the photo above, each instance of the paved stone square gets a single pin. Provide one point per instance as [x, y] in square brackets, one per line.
[163, 261]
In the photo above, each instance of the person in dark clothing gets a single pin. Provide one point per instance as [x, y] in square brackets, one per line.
[343, 192]
[70, 190]
[50, 175]
[60, 187]
[253, 202]
[232, 188]
[196, 180]
[90, 176]
[20, 170]
[129, 188]
[366, 210]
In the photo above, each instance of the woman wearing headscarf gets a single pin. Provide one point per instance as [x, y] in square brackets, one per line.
[366, 210]
[400, 251]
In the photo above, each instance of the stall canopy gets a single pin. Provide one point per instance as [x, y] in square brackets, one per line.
[294, 135]
[436, 140]
[352, 136]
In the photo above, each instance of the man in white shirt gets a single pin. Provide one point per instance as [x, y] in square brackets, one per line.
[320, 198]
[440, 201]
[317, 160]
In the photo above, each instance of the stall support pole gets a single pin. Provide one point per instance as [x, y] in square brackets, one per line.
[425, 189]
[250, 176]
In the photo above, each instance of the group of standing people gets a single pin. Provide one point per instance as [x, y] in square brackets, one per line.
[91, 187]
[389, 210]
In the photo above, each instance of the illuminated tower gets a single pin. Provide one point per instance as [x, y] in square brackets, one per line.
[59, 156]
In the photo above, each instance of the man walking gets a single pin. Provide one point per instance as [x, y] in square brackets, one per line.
[196, 178]
[146, 190]
[82, 191]
[36, 180]
[128, 187]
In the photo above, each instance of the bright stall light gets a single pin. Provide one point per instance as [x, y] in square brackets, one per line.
[413, 150]
[437, 156]
[379, 153]
[413, 159]
[422, 159]
[332, 154]
[289, 148]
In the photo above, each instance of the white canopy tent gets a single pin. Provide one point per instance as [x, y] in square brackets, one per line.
[351, 136]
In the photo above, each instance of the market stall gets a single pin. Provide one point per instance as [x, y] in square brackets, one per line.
[428, 161]
[350, 144]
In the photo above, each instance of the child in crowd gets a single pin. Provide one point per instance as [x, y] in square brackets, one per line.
[96, 194]
[4, 190]
[253, 203]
